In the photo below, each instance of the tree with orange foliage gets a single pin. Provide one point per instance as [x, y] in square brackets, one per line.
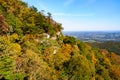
[3, 25]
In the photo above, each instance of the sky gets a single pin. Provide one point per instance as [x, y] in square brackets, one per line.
[82, 15]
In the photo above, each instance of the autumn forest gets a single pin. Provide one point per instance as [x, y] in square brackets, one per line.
[32, 47]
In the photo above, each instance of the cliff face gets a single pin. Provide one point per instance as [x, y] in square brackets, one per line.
[33, 48]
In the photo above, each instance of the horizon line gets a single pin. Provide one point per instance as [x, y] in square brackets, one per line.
[91, 31]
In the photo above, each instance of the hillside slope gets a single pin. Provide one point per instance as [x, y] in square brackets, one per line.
[111, 46]
[32, 47]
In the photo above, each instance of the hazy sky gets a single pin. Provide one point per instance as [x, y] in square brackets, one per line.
[82, 15]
